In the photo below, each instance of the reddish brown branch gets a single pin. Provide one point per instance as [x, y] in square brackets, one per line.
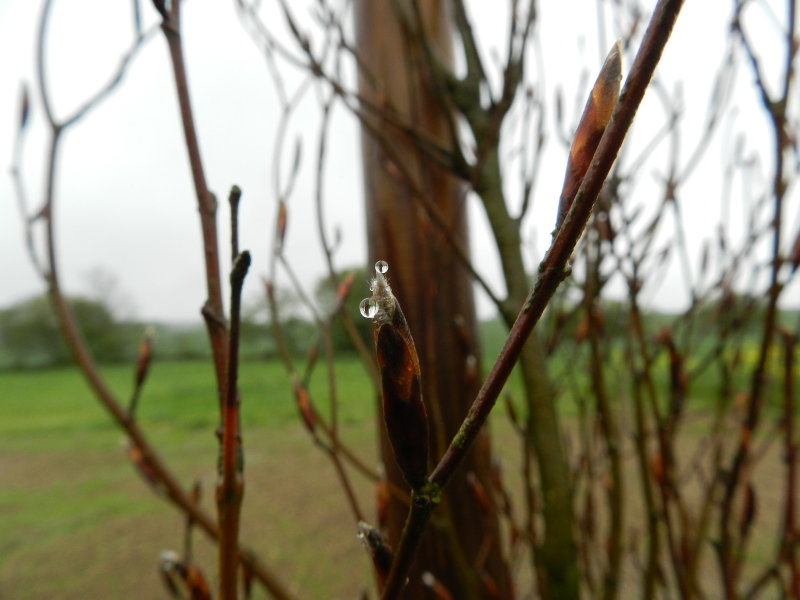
[230, 489]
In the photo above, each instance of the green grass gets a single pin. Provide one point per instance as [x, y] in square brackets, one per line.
[40, 408]
[77, 522]
[65, 481]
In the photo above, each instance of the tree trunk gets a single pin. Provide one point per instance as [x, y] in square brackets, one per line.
[461, 548]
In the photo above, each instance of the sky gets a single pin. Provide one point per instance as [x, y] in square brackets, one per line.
[125, 206]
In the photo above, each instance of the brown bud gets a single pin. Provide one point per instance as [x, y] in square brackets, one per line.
[145, 354]
[183, 580]
[280, 226]
[24, 108]
[379, 551]
[794, 255]
[344, 290]
[596, 115]
[657, 468]
[403, 409]
[304, 406]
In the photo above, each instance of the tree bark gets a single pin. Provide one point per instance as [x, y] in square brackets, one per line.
[461, 548]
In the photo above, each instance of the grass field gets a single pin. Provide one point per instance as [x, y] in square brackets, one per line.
[76, 522]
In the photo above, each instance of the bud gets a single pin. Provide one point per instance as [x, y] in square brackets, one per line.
[794, 255]
[304, 406]
[24, 108]
[145, 354]
[596, 115]
[344, 290]
[403, 409]
[379, 551]
[280, 226]
[183, 580]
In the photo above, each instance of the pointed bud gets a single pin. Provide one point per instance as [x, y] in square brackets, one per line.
[657, 468]
[596, 115]
[379, 551]
[403, 409]
[24, 108]
[145, 354]
[183, 580]
[794, 255]
[304, 406]
[280, 226]
[344, 290]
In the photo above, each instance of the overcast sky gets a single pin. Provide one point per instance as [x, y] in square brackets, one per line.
[124, 200]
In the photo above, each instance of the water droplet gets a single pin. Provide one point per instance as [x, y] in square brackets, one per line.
[368, 308]
[381, 266]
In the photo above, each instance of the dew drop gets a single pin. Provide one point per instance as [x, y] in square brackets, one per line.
[381, 266]
[368, 308]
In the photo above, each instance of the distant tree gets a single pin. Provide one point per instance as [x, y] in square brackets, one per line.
[30, 336]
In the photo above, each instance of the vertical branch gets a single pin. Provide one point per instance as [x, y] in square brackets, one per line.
[230, 489]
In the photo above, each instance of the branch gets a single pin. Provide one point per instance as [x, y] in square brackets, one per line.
[230, 489]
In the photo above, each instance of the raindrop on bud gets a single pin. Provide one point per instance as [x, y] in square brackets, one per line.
[381, 266]
[368, 308]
